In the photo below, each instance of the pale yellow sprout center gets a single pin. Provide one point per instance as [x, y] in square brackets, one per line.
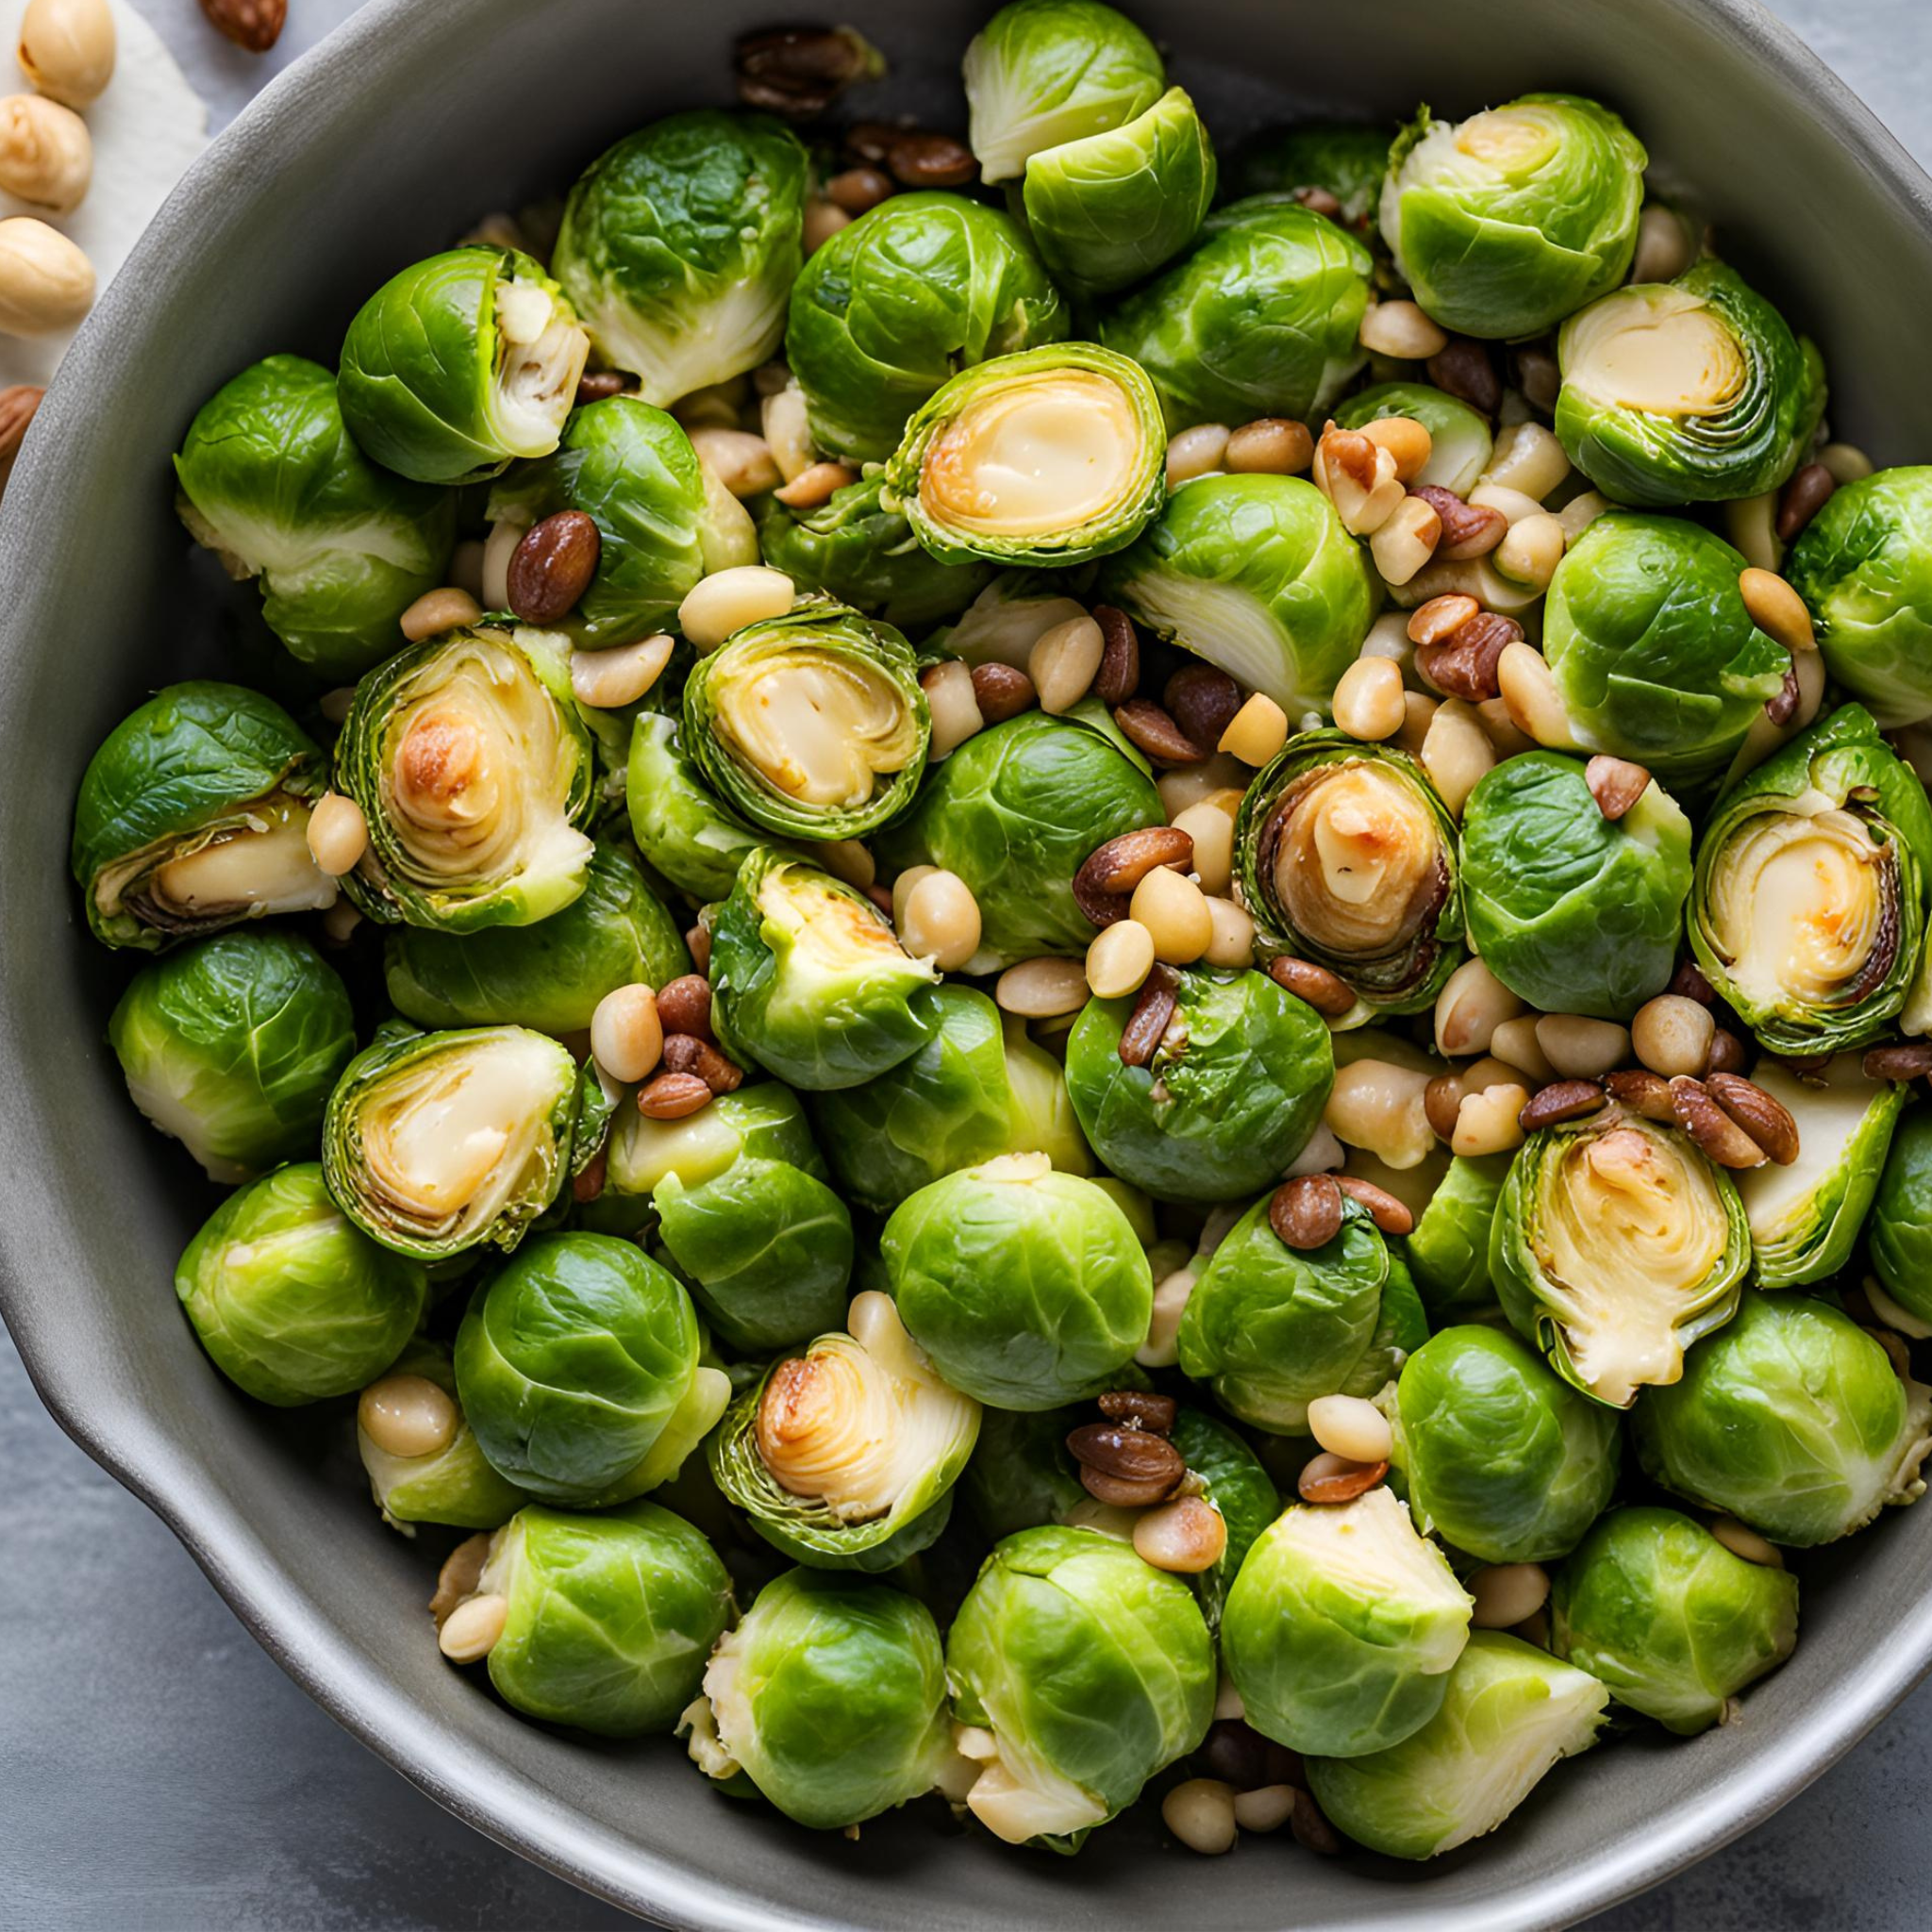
[1356, 860]
[822, 728]
[1660, 350]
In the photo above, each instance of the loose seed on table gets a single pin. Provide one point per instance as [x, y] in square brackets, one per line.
[46, 283]
[46, 156]
[66, 49]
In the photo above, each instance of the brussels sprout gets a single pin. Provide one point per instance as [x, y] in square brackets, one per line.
[1790, 1419]
[1900, 1231]
[680, 244]
[1006, 618]
[1341, 1627]
[809, 980]
[1652, 1605]
[1347, 858]
[270, 480]
[1509, 1713]
[830, 1696]
[1686, 392]
[291, 1304]
[681, 829]
[1808, 908]
[915, 290]
[1864, 565]
[1090, 1669]
[1273, 1327]
[1503, 1458]
[1506, 223]
[470, 763]
[447, 1482]
[232, 1045]
[1026, 1288]
[437, 1142]
[1263, 318]
[632, 470]
[1449, 1251]
[607, 1620]
[1459, 439]
[1015, 811]
[1021, 1473]
[1232, 1092]
[1257, 576]
[193, 815]
[460, 364]
[1572, 911]
[813, 725]
[845, 1456]
[1615, 1245]
[1655, 653]
[1050, 455]
[1337, 157]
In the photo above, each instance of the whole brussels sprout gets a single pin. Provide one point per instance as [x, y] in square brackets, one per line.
[1506, 223]
[682, 830]
[193, 815]
[232, 1045]
[1809, 908]
[1686, 392]
[1091, 1670]
[270, 480]
[1257, 576]
[1347, 858]
[1337, 157]
[1021, 1473]
[897, 302]
[1503, 1458]
[1448, 1252]
[1791, 1419]
[1229, 1097]
[1652, 1605]
[830, 1696]
[460, 364]
[1263, 318]
[1864, 565]
[1026, 1288]
[1615, 1245]
[1572, 911]
[1341, 1627]
[444, 1478]
[1050, 455]
[290, 1302]
[1900, 1231]
[680, 244]
[1459, 439]
[474, 773]
[1509, 1713]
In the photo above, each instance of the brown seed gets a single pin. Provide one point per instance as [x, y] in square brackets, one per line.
[1689, 983]
[1269, 446]
[1138, 1408]
[1388, 1214]
[1463, 665]
[1150, 730]
[1442, 1103]
[1318, 201]
[1331, 1478]
[1616, 783]
[1001, 691]
[600, 385]
[461, 1572]
[1540, 378]
[799, 71]
[858, 190]
[872, 140]
[1560, 1100]
[1348, 453]
[1728, 1053]
[1761, 1115]
[553, 567]
[1133, 1468]
[1781, 709]
[254, 25]
[1148, 1023]
[1465, 371]
[587, 1183]
[1469, 529]
[931, 160]
[685, 1053]
[1235, 1751]
[880, 897]
[1202, 701]
[1121, 864]
[1642, 1091]
[1311, 1829]
[1905, 1061]
[17, 406]
[1119, 677]
[673, 1096]
[1330, 995]
[684, 1005]
[1306, 1212]
[1717, 1135]
[697, 942]
[1440, 619]
[1807, 493]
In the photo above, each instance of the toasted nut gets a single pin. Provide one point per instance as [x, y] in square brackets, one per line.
[1507, 1594]
[931, 160]
[1562, 1100]
[1110, 872]
[1464, 370]
[1664, 251]
[1743, 1541]
[1527, 457]
[46, 283]
[1514, 1044]
[627, 1034]
[1778, 609]
[684, 1052]
[1364, 504]
[1417, 713]
[1184, 1537]
[608, 680]
[815, 485]
[1042, 989]
[1670, 1035]
[1330, 997]
[1728, 1053]
[1200, 1810]
[1150, 730]
[857, 190]
[1761, 1115]
[1331, 1478]
[1456, 753]
[1269, 446]
[67, 49]
[949, 697]
[253, 25]
[1002, 691]
[1140, 1408]
[1751, 524]
[1160, 1350]
[1148, 1023]
[847, 860]
[1616, 783]
[1186, 784]
[1407, 541]
[1311, 1830]
[1531, 550]
[1232, 946]
[46, 156]
[1499, 727]
[1305, 1213]
[1257, 731]
[461, 1572]
[822, 220]
[1512, 504]
[1539, 377]
[1687, 982]
[1196, 452]
[1580, 512]
[436, 611]
[1442, 1102]
[600, 385]
[340, 922]
[1405, 439]
[1402, 331]
[407, 1415]
[1908, 1061]
[1063, 661]
[941, 922]
[1471, 1005]
[1843, 462]
[1528, 690]
[470, 1630]
[1467, 530]
[684, 1005]
[697, 941]
[1438, 619]
[1378, 1106]
[1780, 711]
[798, 70]
[1118, 676]
[1130, 1467]
[739, 461]
[1489, 1122]
[1203, 701]
[787, 427]
[1807, 493]
[1719, 1136]
[728, 600]
[1463, 664]
[1581, 1048]
[1349, 1427]
[1388, 1214]
[1642, 1091]
[1368, 700]
[673, 1096]
[338, 834]
[1265, 1807]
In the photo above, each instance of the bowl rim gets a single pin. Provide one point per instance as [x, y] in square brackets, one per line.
[508, 1807]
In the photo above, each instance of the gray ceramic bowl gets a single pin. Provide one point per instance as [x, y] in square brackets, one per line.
[378, 147]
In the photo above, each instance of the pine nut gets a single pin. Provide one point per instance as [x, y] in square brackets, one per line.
[1378, 1108]
[1663, 246]
[1672, 1035]
[739, 461]
[1162, 1348]
[815, 485]
[1485, 1122]
[1175, 910]
[1751, 524]
[1190, 784]
[1200, 1812]
[1581, 1048]
[1507, 1594]
[1347, 1426]
[1266, 1809]
[498, 548]
[1364, 507]
[1389, 638]
[338, 834]
[1042, 989]
[1440, 618]
[626, 1036]
[1405, 439]
[1257, 731]
[1500, 727]
[1846, 462]
[847, 860]
[1407, 541]
[1456, 753]
[471, 1631]
[1417, 713]
[1531, 550]
[822, 220]
[609, 680]
[1529, 459]
[956, 714]
[1514, 1042]
[1402, 331]
[1063, 661]
[858, 190]
[1580, 512]
[1487, 1072]
[1513, 505]
[728, 600]
[1120, 956]
[407, 1415]
[788, 431]
[1743, 1541]
[1184, 1537]
[1196, 452]
[1528, 690]
[1331, 1478]
[1232, 945]
[436, 611]
[1778, 609]
[715, 406]
[1269, 446]
[340, 922]
[941, 921]
[1212, 832]
[1368, 700]
[903, 885]
[1471, 1005]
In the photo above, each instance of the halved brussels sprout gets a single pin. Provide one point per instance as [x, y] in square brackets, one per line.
[1273, 1327]
[1503, 1458]
[1347, 858]
[682, 830]
[1459, 439]
[631, 470]
[1015, 811]
[1050, 455]
[1686, 392]
[232, 1045]
[1341, 1627]
[809, 980]
[830, 1696]
[680, 244]
[1864, 565]
[290, 1302]
[1026, 1288]
[1652, 1605]
[845, 1456]
[1900, 1231]
[1809, 903]
[1506, 223]
[1791, 1419]
[1449, 1251]
[1233, 1090]
[1089, 1670]
[895, 303]
[434, 1142]
[813, 725]
[270, 481]
[1257, 576]
[1337, 157]
[193, 815]
[1655, 657]
[474, 774]
[1509, 1713]
[1263, 318]
[1572, 911]
[448, 1481]
[460, 364]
